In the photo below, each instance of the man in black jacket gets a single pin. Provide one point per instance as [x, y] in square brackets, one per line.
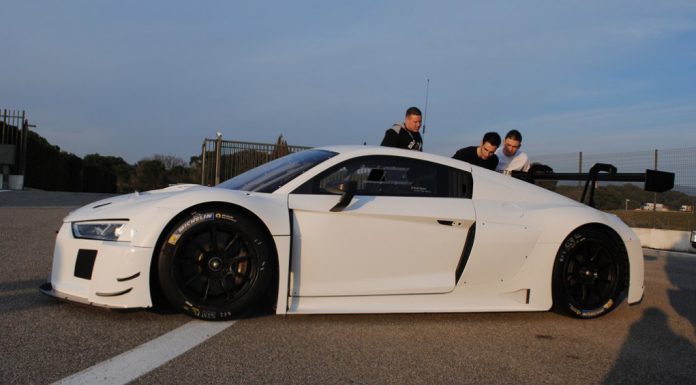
[483, 155]
[405, 135]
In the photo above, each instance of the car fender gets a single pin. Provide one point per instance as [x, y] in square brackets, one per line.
[149, 213]
[270, 209]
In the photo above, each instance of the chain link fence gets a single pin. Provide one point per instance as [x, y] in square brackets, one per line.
[648, 212]
[223, 159]
[682, 162]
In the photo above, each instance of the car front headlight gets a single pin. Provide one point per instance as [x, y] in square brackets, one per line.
[101, 230]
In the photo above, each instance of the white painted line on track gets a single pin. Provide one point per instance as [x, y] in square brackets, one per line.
[132, 364]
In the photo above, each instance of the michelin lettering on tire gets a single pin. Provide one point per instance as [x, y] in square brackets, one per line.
[186, 225]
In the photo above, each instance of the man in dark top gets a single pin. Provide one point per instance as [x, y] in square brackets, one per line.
[483, 155]
[405, 135]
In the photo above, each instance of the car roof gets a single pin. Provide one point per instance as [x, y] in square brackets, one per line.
[355, 150]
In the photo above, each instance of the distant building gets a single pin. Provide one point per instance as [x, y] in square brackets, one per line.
[686, 208]
[650, 206]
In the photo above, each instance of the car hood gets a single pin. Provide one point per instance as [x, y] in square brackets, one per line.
[148, 213]
[125, 206]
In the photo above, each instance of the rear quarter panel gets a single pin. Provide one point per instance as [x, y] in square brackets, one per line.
[519, 229]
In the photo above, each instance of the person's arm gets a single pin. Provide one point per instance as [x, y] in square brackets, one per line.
[519, 163]
[526, 165]
[391, 139]
[501, 167]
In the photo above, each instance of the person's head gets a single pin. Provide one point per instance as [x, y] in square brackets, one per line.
[512, 143]
[412, 120]
[489, 143]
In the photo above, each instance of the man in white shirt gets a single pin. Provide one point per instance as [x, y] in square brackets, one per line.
[510, 157]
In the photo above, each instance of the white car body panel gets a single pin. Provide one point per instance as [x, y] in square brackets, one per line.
[148, 215]
[156, 208]
[118, 262]
[377, 245]
[379, 255]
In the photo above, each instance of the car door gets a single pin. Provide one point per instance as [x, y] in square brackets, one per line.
[403, 232]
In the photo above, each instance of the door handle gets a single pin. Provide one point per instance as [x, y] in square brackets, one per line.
[446, 222]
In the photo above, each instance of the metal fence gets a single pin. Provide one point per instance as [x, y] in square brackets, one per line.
[223, 159]
[14, 129]
[682, 162]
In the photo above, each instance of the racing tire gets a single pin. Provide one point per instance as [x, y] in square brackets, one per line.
[216, 264]
[590, 274]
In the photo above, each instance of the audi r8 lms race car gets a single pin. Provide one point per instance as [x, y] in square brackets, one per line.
[349, 229]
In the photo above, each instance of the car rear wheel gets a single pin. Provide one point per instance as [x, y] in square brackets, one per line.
[590, 274]
[215, 264]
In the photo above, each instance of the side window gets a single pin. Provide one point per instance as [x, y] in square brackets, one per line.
[393, 176]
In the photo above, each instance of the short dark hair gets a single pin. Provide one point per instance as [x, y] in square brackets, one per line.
[413, 111]
[492, 138]
[514, 135]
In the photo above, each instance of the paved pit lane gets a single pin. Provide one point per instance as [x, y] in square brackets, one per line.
[45, 341]
[130, 365]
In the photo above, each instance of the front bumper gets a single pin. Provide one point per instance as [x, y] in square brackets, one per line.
[100, 273]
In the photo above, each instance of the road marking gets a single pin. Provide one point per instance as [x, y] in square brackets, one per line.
[139, 361]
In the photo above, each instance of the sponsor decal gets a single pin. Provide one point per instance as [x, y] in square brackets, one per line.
[206, 314]
[225, 216]
[190, 308]
[198, 218]
[173, 239]
[569, 245]
[609, 304]
[593, 312]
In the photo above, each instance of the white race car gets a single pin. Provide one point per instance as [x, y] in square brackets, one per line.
[350, 229]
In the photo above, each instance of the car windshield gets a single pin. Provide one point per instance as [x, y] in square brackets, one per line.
[272, 175]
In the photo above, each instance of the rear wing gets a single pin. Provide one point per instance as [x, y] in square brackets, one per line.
[656, 181]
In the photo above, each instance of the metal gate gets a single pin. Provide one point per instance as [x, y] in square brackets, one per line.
[14, 129]
[223, 159]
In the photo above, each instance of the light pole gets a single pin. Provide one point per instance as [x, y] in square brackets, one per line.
[626, 204]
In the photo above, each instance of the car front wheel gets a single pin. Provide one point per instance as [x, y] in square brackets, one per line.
[215, 264]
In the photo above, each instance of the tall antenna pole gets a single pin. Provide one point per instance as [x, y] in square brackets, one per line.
[425, 111]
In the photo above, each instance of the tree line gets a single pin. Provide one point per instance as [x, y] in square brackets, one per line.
[50, 168]
[628, 196]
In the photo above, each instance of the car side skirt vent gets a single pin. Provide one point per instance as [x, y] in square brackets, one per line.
[466, 252]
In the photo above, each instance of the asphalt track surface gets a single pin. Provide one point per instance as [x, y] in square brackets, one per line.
[43, 341]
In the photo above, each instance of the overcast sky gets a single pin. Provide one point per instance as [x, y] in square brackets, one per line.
[138, 78]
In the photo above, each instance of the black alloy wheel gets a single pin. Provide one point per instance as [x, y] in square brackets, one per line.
[590, 274]
[216, 264]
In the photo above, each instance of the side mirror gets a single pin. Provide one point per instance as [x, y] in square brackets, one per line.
[347, 191]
